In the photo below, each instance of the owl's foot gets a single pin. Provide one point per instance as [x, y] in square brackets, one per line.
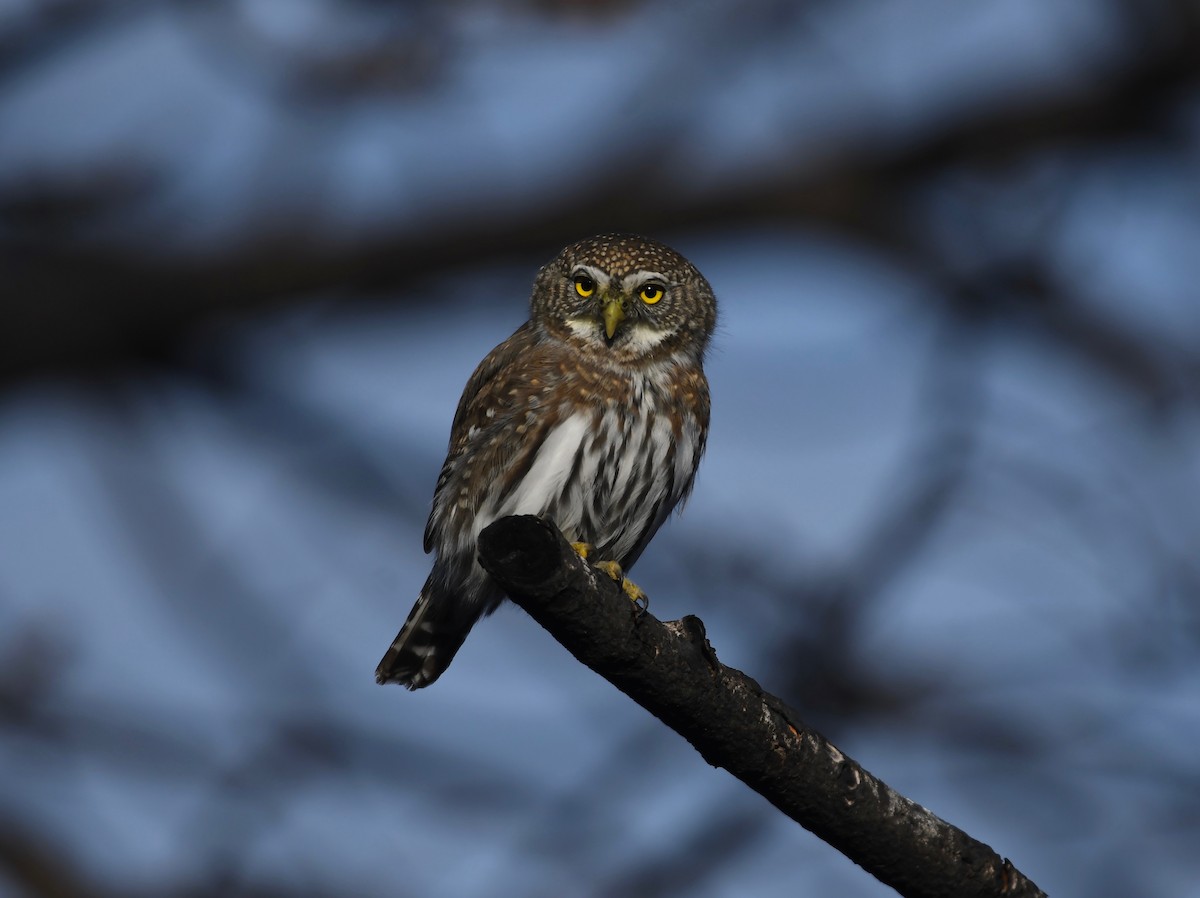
[631, 589]
[584, 549]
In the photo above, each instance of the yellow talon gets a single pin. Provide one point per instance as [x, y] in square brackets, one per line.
[584, 549]
[611, 568]
[639, 598]
[631, 589]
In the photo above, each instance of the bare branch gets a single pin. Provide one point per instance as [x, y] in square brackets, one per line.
[671, 670]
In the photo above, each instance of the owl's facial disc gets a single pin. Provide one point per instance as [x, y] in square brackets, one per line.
[614, 308]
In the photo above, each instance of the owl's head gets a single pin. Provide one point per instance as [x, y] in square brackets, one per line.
[627, 296]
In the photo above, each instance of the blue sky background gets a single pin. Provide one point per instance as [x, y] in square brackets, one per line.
[950, 507]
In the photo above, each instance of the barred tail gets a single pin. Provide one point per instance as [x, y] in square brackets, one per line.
[426, 643]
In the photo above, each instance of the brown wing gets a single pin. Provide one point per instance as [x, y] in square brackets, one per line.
[472, 405]
[694, 396]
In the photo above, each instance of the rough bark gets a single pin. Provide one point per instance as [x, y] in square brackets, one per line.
[670, 669]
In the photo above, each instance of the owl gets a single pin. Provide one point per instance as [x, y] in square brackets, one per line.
[594, 414]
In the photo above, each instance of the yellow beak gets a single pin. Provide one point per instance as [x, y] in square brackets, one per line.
[614, 314]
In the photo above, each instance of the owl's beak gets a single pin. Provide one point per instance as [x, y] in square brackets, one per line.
[614, 314]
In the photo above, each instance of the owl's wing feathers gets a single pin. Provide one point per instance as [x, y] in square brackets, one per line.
[697, 401]
[476, 396]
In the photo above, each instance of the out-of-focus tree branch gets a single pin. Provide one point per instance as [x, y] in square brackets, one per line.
[26, 859]
[74, 305]
[670, 669]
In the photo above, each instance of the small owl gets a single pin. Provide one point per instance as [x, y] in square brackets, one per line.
[594, 413]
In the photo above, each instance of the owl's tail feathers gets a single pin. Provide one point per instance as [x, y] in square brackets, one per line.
[425, 645]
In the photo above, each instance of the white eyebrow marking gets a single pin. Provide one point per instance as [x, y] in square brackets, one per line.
[631, 282]
[599, 276]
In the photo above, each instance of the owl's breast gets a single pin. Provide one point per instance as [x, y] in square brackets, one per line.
[639, 460]
[606, 462]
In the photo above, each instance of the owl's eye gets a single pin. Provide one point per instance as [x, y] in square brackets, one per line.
[584, 285]
[651, 293]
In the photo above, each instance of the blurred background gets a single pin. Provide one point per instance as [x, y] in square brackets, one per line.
[250, 251]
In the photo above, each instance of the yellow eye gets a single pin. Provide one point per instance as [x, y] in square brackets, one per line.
[651, 293]
[584, 285]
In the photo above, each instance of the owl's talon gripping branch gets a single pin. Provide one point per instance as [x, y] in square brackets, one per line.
[584, 549]
[631, 589]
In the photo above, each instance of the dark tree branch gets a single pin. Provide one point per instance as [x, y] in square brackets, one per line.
[670, 669]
